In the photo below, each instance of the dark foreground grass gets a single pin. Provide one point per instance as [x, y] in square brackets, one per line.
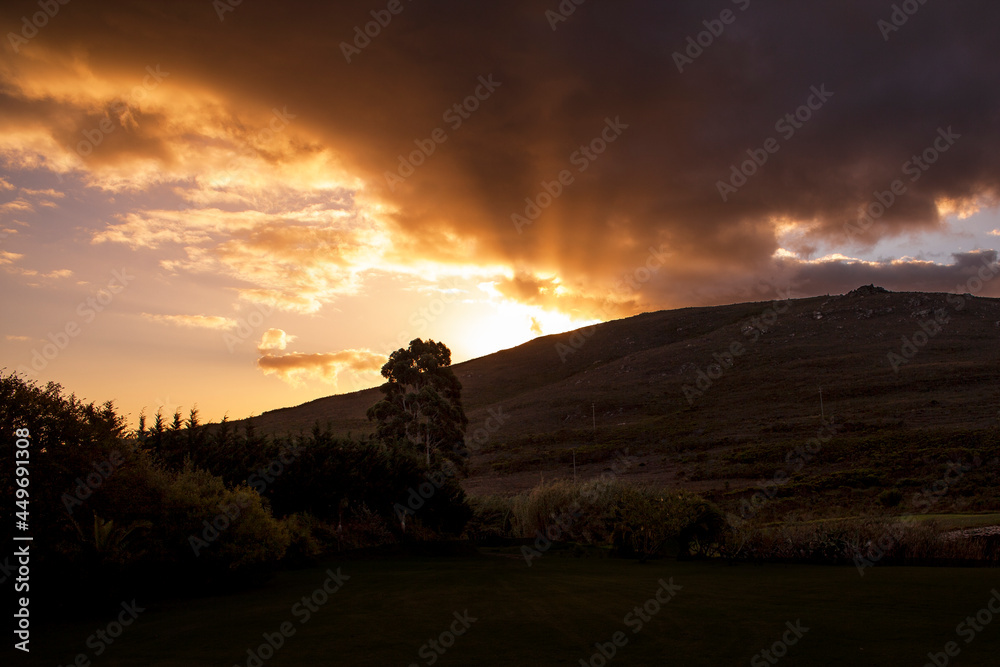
[553, 612]
[956, 521]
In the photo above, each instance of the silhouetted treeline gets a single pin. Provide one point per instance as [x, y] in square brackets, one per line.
[180, 503]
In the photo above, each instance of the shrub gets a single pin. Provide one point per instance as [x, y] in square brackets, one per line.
[651, 519]
[493, 519]
[227, 530]
[366, 528]
[636, 520]
[342, 481]
[304, 545]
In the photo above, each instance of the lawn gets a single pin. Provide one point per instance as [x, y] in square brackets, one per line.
[553, 613]
[956, 521]
[945, 522]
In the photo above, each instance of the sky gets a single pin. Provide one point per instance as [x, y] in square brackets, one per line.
[247, 205]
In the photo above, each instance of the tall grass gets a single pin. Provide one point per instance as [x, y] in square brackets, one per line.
[644, 521]
[634, 519]
[864, 542]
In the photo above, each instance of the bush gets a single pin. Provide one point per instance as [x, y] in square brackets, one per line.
[650, 520]
[367, 528]
[304, 545]
[492, 520]
[344, 482]
[112, 518]
[230, 529]
[636, 520]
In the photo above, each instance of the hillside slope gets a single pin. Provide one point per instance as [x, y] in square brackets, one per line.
[668, 386]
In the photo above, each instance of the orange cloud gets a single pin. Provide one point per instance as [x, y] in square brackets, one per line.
[194, 321]
[296, 367]
[299, 258]
[274, 339]
[16, 206]
[7, 258]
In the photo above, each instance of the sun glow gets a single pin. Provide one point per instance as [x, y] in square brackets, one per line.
[508, 324]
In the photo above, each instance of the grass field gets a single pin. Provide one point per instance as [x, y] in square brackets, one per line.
[956, 521]
[951, 521]
[553, 613]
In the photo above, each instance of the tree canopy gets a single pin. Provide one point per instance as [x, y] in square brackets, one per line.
[423, 402]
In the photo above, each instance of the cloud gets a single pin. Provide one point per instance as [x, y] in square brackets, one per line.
[840, 275]
[59, 273]
[274, 339]
[49, 192]
[19, 338]
[295, 368]
[293, 250]
[194, 321]
[281, 175]
[16, 206]
[9, 263]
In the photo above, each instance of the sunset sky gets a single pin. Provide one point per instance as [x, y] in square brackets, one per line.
[248, 206]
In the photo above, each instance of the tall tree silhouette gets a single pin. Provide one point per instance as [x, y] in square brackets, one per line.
[423, 401]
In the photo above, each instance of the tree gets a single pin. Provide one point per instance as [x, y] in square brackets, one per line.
[423, 401]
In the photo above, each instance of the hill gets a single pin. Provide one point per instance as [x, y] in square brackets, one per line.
[718, 398]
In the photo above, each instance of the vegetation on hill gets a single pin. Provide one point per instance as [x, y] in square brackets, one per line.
[886, 426]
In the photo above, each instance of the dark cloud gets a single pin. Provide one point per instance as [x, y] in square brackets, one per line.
[657, 182]
[974, 272]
